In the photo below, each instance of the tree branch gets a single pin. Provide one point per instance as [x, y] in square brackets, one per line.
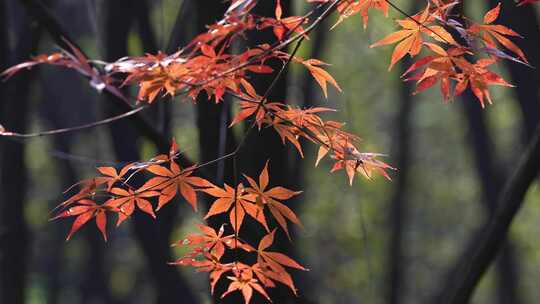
[497, 228]
[72, 129]
[50, 23]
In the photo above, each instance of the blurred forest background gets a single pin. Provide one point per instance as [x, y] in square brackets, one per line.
[375, 242]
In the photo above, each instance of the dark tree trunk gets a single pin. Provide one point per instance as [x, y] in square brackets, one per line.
[496, 231]
[318, 40]
[152, 236]
[215, 137]
[14, 232]
[266, 144]
[489, 175]
[398, 209]
[4, 55]
[524, 21]
[148, 38]
[304, 281]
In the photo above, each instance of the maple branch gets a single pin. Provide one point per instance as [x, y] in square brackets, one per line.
[234, 153]
[76, 128]
[236, 187]
[415, 21]
[496, 229]
[43, 15]
[262, 101]
[288, 121]
[278, 45]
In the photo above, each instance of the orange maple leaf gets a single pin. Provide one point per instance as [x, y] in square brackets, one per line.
[85, 211]
[271, 199]
[364, 163]
[127, 199]
[244, 282]
[491, 34]
[111, 175]
[169, 181]
[411, 36]
[478, 77]
[321, 76]
[240, 201]
[276, 262]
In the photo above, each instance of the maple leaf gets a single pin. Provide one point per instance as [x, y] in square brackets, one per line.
[525, 2]
[410, 38]
[127, 199]
[238, 201]
[491, 34]
[348, 8]
[85, 211]
[248, 108]
[167, 158]
[111, 175]
[478, 77]
[353, 161]
[169, 181]
[321, 76]
[88, 189]
[54, 58]
[72, 59]
[351, 8]
[211, 246]
[276, 261]
[270, 198]
[289, 124]
[281, 26]
[213, 241]
[331, 137]
[438, 67]
[210, 263]
[289, 132]
[244, 282]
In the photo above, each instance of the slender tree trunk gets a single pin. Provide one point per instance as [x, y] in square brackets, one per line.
[524, 21]
[144, 27]
[215, 137]
[14, 232]
[264, 145]
[305, 280]
[398, 209]
[152, 236]
[4, 55]
[495, 233]
[489, 175]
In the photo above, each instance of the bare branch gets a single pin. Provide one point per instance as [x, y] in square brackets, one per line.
[497, 228]
[72, 129]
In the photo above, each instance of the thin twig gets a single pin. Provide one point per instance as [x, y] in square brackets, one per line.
[415, 21]
[77, 128]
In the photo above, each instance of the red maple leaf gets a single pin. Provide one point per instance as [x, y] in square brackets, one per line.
[271, 199]
[238, 201]
[170, 181]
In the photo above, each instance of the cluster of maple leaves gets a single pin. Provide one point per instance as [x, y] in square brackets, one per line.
[111, 193]
[447, 41]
